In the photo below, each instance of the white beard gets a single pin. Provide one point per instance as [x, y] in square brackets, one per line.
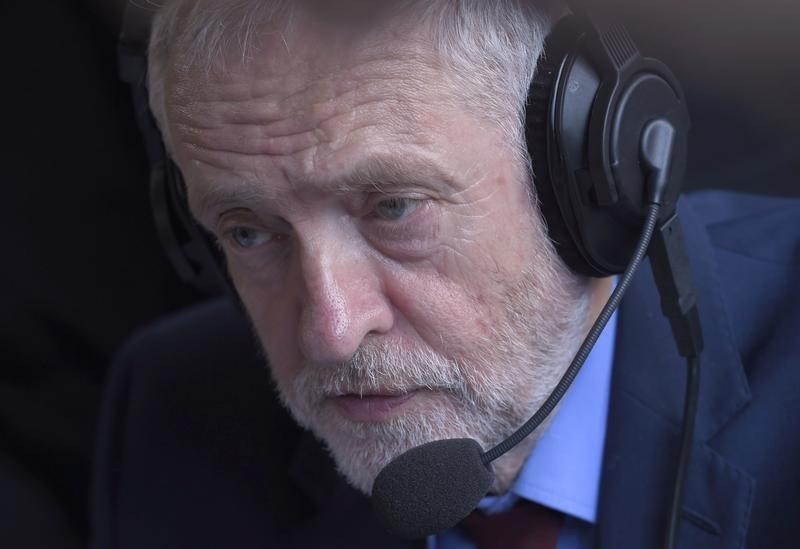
[506, 377]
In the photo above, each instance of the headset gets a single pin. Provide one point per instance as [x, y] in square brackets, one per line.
[192, 252]
[607, 132]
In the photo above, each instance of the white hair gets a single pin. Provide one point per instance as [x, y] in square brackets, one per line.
[490, 48]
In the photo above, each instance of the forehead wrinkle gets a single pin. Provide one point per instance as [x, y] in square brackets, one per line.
[272, 100]
[327, 125]
[272, 91]
[232, 112]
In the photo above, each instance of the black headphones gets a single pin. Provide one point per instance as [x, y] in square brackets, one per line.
[590, 107]
[192, 252]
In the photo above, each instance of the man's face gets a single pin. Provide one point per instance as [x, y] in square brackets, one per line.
[383, 242]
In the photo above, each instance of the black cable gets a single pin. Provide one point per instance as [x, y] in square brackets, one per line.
[692, 384]
[689, 413]
[589, 342]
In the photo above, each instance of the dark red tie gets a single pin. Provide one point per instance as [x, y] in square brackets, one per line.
[527, 525]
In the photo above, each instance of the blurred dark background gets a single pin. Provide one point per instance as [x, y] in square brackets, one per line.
[739, 61]
[82, 267]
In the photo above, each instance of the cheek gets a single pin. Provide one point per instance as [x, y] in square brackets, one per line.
[513, 232]
[448, 316]
[460, 298]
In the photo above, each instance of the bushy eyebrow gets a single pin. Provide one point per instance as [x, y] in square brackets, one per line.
[388, 174]
[217, 198]
[374, 174]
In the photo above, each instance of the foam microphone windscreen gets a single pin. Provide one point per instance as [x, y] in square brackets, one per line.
[431, 488]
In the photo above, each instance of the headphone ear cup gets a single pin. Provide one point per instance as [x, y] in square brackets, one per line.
[588, 109]
[536, 133]
[539, 135]
[192, 251]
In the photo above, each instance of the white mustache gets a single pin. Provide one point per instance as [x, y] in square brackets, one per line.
[382, 369]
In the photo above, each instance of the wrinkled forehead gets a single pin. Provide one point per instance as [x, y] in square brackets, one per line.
[310, 103]
[305, 79]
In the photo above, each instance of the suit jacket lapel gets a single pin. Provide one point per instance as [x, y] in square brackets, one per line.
[645, 412]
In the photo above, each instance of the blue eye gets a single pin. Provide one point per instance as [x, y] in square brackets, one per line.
[395, 209]
[248, 238]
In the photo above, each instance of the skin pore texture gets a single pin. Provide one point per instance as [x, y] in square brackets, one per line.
[383, 240]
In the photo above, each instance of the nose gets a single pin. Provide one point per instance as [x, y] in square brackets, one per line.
[343, 302]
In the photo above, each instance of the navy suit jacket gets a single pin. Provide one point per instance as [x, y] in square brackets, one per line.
[195, 451]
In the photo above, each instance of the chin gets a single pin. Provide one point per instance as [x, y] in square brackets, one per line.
[362, 449]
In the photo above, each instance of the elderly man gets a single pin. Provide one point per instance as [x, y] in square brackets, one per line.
[366, 175]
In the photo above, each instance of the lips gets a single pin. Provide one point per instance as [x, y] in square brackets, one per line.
[372, 408]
